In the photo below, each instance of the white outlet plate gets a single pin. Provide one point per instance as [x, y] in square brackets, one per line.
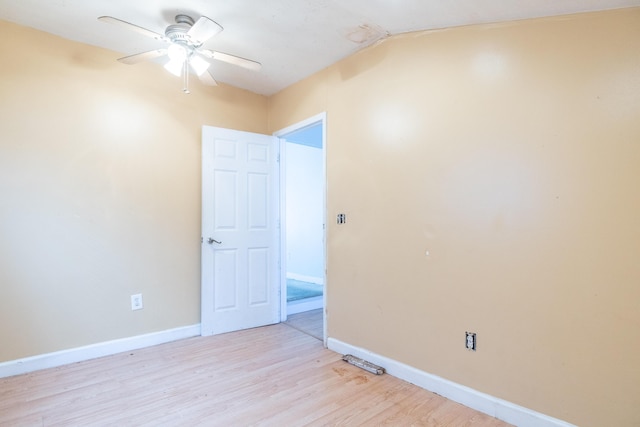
[136, 302]
[470, 341]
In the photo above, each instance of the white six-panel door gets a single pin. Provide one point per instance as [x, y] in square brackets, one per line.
[240, 245]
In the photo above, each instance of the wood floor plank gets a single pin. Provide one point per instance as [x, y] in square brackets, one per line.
[271, 376]
[309, 322]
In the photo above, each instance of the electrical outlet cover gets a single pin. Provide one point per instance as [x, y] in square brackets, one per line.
[136, 302]
[470, 342]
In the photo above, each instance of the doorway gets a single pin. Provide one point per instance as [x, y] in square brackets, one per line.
[303, 212]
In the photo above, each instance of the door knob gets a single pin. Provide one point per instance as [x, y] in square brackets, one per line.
[211, 241]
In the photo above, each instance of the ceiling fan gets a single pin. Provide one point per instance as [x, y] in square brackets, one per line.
[185, 51]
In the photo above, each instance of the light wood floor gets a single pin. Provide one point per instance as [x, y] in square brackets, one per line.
[271, 376]
[310, 322]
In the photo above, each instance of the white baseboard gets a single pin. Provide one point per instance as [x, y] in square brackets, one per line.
[490, 405]
[303, 278]
[300, 306]
[78, 354]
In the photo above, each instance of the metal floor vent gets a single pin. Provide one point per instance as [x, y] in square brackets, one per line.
[361, 363]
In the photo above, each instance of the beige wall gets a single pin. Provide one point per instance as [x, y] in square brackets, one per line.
[511, 153]
[99, 192]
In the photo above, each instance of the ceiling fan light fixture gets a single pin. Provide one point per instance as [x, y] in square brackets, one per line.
[198, 64]
[177, 52]
[174, 66]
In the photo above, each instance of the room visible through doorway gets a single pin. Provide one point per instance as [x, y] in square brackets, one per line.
[304, 207]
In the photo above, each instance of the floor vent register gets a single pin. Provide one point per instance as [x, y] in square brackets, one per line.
[364, 364]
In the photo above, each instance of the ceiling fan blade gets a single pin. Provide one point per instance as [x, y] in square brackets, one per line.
[207, 79]
[133, 27]
[232, 59]
[203, 30]
[144, 56]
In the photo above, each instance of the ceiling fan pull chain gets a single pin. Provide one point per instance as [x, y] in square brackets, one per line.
[185, 73]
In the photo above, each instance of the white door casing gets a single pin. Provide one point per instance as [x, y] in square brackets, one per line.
[240, 230]
[282, 133]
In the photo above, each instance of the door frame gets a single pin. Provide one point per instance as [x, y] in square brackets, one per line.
[281, 134]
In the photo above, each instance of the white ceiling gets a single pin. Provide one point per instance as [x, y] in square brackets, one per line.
[291, 38]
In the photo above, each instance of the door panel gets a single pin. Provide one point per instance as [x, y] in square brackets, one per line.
[226, 189]
[258, 274]
[257, 201]
[225, 266]
[240, 248]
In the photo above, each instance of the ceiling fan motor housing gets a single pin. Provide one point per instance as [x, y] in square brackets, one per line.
[178, 32]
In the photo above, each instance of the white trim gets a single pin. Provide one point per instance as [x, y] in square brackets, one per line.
[107, 348]
[283, 229]
[490, 405]
[318, 118]
[300, 306]
[308, 279]
[321, 117]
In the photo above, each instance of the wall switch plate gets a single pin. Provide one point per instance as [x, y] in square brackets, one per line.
[136, 302]
[470, 341]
